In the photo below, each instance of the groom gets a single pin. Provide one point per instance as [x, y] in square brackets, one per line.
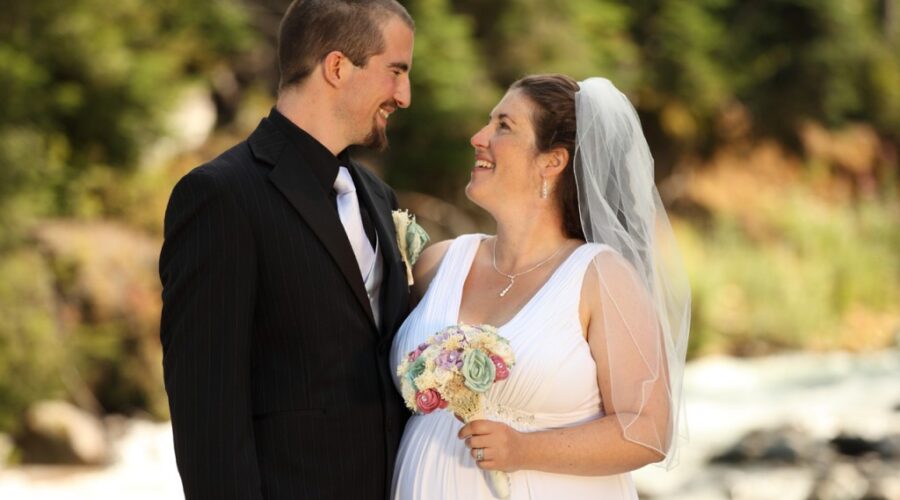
[282, 281]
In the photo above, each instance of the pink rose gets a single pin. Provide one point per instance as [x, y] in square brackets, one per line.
[429, 400]
[413, 355]
[502, 372]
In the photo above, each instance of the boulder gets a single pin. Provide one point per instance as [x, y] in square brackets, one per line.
[56, 432]
[854, 446]
[108, 310]
[773, 446]
[886, 447]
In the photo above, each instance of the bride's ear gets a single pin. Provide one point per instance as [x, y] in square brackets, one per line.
[555, 162]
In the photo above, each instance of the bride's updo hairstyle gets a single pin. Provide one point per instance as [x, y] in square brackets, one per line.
[553, 119]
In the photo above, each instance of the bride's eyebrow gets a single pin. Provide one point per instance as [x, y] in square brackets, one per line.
[503, 116]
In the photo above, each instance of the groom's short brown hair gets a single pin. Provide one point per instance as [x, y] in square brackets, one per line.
[310, 29]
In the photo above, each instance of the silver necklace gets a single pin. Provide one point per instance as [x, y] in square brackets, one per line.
[512, 277]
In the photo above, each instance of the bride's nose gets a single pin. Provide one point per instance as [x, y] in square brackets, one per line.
[479, 140]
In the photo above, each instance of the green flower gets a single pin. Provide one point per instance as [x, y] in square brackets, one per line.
[478, 370]
[416, 239]
[415, 369]
[411, 240]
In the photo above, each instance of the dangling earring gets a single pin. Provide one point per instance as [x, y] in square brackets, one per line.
[544, 189]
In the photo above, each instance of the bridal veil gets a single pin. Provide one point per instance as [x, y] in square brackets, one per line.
[644, 291]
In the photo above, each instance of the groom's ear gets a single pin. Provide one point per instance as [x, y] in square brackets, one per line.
[335, 67]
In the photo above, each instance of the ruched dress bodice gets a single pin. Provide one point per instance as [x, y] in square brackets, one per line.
[553, 385]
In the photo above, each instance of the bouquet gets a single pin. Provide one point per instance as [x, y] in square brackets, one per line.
[452, 370]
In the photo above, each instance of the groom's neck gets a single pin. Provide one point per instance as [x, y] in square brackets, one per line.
[315, 113]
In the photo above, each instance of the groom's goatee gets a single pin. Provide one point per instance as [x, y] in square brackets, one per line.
[377, 139]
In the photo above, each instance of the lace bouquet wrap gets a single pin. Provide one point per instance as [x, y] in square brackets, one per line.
[452, 370]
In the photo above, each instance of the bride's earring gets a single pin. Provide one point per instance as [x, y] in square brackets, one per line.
[544, 189]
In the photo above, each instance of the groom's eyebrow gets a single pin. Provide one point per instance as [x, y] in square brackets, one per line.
[399, 65]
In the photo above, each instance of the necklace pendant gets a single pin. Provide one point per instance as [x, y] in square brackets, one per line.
[506, 290]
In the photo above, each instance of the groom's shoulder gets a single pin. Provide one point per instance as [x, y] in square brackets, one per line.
[374, 181]
[233, 167]
[250, 159]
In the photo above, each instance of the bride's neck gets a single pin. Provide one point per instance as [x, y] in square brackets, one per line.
[524, 241]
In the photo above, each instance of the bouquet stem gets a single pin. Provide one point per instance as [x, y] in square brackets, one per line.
[498, 479]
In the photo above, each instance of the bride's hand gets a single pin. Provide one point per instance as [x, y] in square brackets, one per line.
[501, 443]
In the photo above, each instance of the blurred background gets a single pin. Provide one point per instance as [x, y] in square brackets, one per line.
[775, 126]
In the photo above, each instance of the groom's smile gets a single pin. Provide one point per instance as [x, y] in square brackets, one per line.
[381, 87]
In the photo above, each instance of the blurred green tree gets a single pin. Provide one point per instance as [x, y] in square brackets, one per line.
[580, 38]
[452, 95]
[830, 61]
[85, 83]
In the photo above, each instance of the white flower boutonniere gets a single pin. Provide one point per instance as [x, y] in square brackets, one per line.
[411, 240]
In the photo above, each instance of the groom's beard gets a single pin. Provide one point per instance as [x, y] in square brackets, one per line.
[377, 138]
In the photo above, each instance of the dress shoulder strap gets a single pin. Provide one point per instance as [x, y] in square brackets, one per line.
[454, 268]
[572, 277]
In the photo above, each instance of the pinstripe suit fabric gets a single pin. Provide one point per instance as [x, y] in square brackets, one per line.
[278, 380]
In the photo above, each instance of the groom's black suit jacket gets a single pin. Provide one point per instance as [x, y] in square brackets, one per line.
[278, 378]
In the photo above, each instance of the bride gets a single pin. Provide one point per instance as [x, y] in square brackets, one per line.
[584, 278]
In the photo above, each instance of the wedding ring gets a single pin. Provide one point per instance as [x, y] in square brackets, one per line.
[479, 454]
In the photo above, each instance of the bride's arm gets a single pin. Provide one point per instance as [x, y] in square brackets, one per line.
[623, 334]
[426, 268]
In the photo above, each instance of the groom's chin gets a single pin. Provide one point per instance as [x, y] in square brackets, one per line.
[376, 140]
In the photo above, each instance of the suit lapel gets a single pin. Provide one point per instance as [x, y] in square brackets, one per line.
[394, 281]
[298, 184]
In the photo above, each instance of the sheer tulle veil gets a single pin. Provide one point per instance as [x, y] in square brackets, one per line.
[646, 300]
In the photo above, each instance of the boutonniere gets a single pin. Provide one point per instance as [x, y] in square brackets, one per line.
[411, 240]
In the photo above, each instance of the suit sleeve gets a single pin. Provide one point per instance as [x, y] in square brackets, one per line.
[208, 273]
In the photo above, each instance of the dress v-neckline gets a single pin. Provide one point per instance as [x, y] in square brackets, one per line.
[540, 291]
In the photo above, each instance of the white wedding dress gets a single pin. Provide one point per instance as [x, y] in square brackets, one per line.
[552, 385]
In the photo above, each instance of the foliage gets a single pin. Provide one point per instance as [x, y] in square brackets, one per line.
[451, 95]
[86, 84]
[818, 267]
[829, 61]
[31, 351]
[84, 87]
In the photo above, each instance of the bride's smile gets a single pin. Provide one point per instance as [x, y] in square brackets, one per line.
[506, 171]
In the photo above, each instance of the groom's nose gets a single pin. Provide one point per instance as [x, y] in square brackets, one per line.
[403, 92]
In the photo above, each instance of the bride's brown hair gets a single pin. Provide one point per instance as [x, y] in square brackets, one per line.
[553, 97]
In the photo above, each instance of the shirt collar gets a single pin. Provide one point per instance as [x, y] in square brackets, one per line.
[323, 164]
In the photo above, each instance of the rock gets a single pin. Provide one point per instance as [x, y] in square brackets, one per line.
[57, 432]
[887, 448]
[777, 446]
[188, 125]
[853, 446]
[109, 295]
[840, 482]
[106, 271]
